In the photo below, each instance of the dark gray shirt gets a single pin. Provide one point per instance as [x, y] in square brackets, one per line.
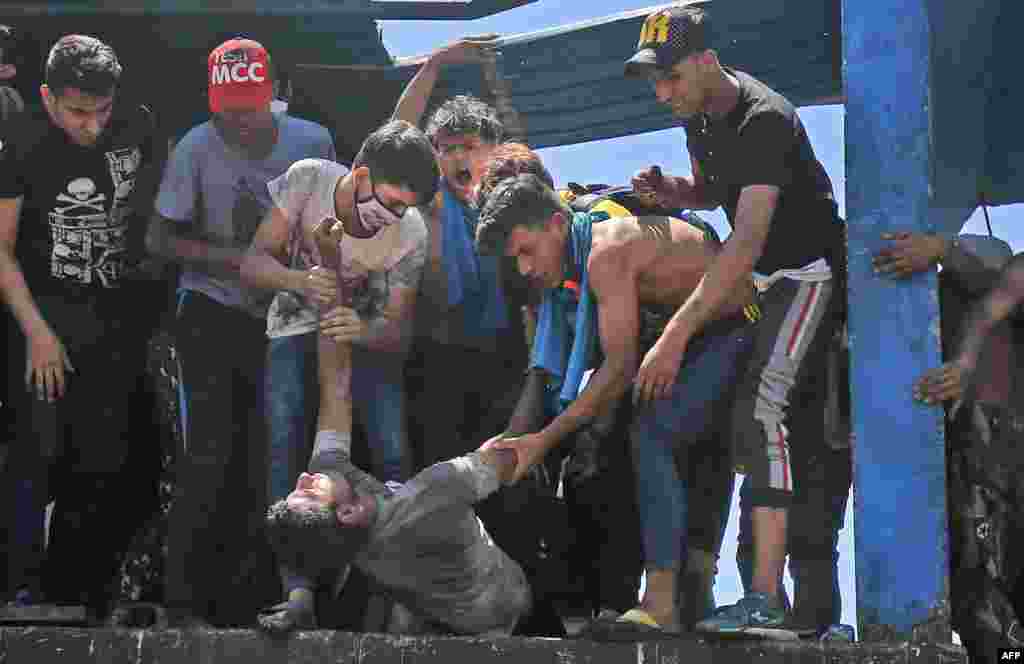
[429, 549]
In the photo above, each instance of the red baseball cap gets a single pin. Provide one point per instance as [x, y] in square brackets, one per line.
[240, 76]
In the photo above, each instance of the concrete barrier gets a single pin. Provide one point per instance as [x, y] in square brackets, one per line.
[50, 645]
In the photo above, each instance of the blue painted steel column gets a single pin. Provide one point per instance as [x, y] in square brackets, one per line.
[901, 540]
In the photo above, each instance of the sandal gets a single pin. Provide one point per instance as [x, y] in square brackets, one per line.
[286, 617]
[632, 626]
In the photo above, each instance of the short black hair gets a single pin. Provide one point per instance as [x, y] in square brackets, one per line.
[82, 62]
[523, 200]
[308, 540]
[510, 159]
[466, 115]
[10, 46]
[398, 153]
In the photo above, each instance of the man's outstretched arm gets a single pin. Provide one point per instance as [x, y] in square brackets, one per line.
[733, 265]
[613, 282]
[413, 102]
[334, 368]
[528, 416]
[457, 483]
[997, 306]
[948, 382]
[502, 460]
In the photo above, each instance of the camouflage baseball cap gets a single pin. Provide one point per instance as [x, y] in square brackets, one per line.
[668, 36]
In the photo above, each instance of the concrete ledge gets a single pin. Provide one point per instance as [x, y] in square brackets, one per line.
[53, 645]
[44, 614]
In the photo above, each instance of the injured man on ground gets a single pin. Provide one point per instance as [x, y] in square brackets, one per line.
[421, 541]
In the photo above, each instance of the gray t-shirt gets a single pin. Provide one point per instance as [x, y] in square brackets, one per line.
[225, 195]
[372, 266]
[432, 553]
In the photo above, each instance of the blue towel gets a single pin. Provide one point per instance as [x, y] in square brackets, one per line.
[551, 349]
[458, 225]
[474, 282]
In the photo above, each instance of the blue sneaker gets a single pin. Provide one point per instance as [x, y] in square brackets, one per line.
[839, 633]
[757, 614]
[24, 597]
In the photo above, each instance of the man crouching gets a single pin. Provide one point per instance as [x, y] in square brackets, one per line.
[420, 541]
[612, 273]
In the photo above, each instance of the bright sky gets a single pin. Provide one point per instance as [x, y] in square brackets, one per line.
[614, 161]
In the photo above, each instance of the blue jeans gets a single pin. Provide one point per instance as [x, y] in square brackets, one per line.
[378, 394]
[669, 427]
[292, 398]
[292, 395]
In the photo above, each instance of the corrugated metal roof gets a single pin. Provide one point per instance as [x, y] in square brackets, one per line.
[376, 9]
[566, 83]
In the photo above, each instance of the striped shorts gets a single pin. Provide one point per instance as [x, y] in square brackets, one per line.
[792, 336]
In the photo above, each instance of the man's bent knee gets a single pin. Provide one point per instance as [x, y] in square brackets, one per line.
[763, 456]
[770, 498]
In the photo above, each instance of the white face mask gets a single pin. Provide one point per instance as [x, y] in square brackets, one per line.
[374, 215]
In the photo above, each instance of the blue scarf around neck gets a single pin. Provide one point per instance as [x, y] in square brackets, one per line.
[474, 281]
[551, 346]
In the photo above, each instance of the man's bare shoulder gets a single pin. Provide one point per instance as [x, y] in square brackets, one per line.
[617, 233]
[667, 231]
[1013, 275]
[650, 227]
[615, 250]
[638, 240]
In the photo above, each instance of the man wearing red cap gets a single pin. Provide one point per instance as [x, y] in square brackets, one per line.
[213, 197]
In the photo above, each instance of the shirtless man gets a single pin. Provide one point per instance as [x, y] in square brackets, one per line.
[621, 265]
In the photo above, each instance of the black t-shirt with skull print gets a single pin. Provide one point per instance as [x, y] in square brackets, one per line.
[77, 203]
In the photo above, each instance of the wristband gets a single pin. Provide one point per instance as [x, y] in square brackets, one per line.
[953, 244]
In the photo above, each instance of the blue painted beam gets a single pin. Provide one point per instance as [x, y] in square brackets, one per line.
[899, 458]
